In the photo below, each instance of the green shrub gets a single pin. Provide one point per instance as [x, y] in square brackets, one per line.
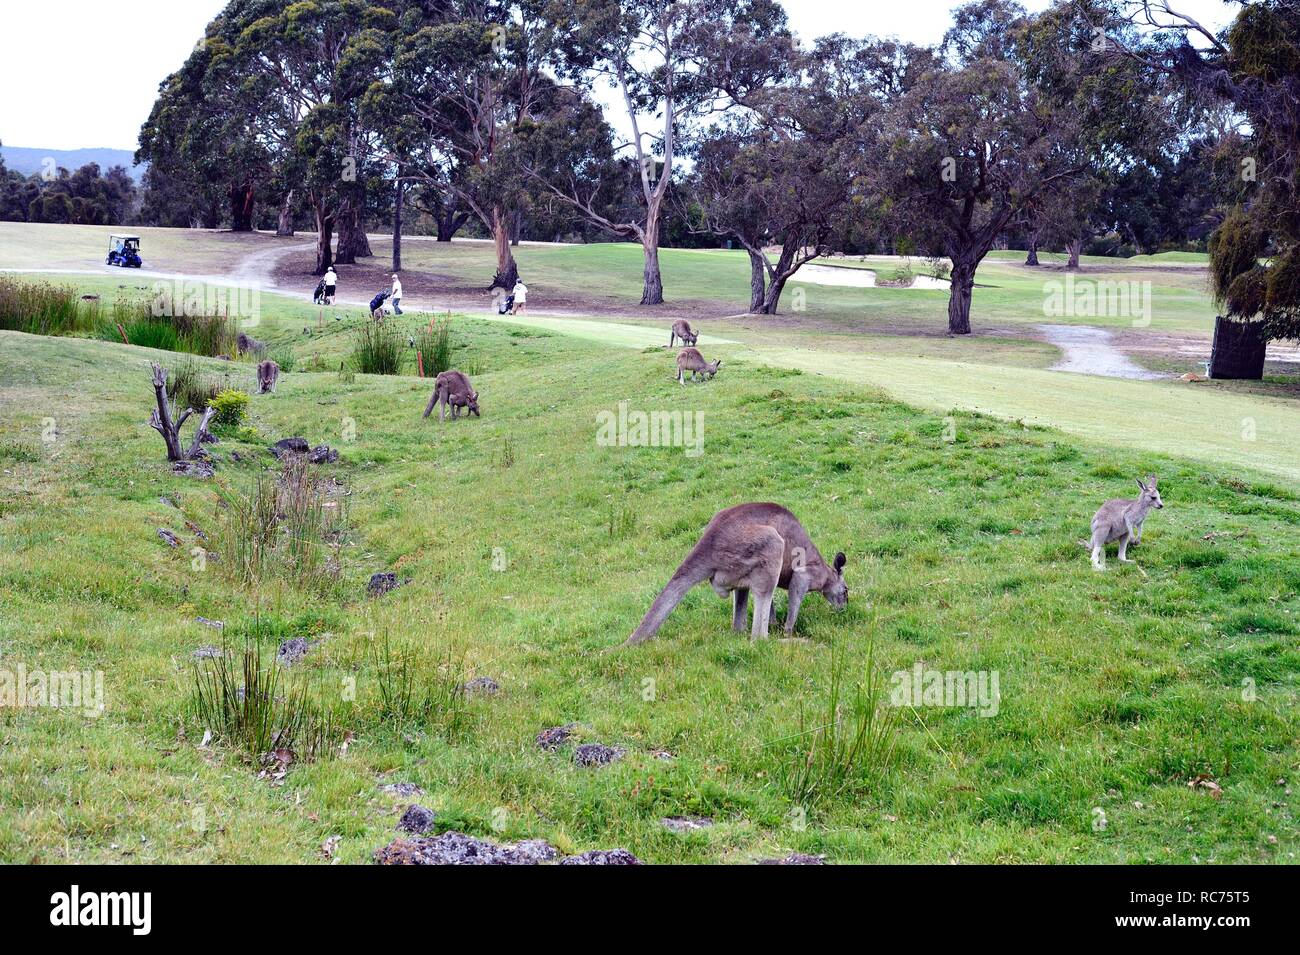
[285, 359]
[377, 350]
[230, 406]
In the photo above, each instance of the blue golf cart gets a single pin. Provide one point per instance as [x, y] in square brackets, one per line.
[124, 251]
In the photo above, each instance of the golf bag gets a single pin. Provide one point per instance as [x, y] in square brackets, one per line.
[319, 295]
[506, 305]
[377, 303]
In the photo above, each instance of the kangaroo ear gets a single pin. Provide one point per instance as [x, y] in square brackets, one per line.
[1141, 484]
[839, 562]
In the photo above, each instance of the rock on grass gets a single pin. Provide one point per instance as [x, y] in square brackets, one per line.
[417, 819]
[555, 737]
[597, 754]
[603, 857]
[456, 848]
[795, 858]
[480, 686]
[291, 651]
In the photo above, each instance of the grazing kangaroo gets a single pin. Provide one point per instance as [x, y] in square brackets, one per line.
[452, 387]
[757, 547]
[1121, 519]
[682, 329]
[690, 359]
[268, 372]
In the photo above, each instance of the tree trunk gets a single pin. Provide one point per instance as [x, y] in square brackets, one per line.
[353, 243]
[507, 271]
[1032, 257]
[161, 420]
[1075, 248]
[789, 250]
[397, 228]
[241, 207]
[653, 291]
[757, 282]
[324, 238]
[285, 225]
[450, 221]
[517, 229]
[959, 298]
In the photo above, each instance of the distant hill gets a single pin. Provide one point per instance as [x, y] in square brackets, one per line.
[28, 160]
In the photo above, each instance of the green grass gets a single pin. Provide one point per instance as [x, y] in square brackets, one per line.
[1116, 688]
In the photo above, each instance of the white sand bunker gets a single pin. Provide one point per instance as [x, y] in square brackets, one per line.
[1089, 351]
[857, 278]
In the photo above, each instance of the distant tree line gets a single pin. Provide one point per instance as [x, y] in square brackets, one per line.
[84, 197]
[1095, 126]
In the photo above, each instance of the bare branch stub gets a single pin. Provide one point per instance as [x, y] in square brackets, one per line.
[161, 421]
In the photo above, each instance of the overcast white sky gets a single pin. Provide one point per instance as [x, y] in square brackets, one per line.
[84, 73]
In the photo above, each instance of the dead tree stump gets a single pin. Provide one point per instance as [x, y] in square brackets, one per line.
[1238, 351]
[161, 421]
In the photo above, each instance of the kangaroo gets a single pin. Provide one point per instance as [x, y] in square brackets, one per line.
[682, 329]
[690, 359]
[757, 547]
[268, 372]
[452, 387]
[1121, 519]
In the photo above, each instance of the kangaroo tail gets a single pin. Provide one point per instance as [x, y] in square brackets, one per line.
[433, 400]
[683, 580]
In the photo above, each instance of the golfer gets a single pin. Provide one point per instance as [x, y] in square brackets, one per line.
[397, 295]
[521, 297]
[331, 284]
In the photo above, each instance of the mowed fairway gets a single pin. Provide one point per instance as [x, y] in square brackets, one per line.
[532, 550]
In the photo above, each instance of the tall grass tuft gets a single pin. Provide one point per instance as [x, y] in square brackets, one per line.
[417, 687]
[845, 746]
[189, 386]
[249, 702]
[434, 344]
[40, 308]
[377, 350]
[283, 526]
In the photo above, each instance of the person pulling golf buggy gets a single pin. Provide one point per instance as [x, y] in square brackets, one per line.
[377, 305]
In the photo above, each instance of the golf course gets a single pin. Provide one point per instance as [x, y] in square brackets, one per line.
[266, 700]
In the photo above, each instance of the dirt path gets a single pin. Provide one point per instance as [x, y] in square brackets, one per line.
[1091, 351]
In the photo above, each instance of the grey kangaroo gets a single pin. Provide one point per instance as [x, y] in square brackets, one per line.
[1120, 519]
[452, 387]
[690, 359]
[682, 329]
[757, 547]
[268, 372]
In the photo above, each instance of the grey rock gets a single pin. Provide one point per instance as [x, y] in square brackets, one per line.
[456, 848]
[555, 737]
[202, 470]
[291, 651]
[603, 857]
[381, 583]
[795, 858]
[597, 754]
[480, 686]
[322, 454]
[417, 819]
[406, 790]
[208, 652]
[290, 446]
[685, 823]
[168, 538]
